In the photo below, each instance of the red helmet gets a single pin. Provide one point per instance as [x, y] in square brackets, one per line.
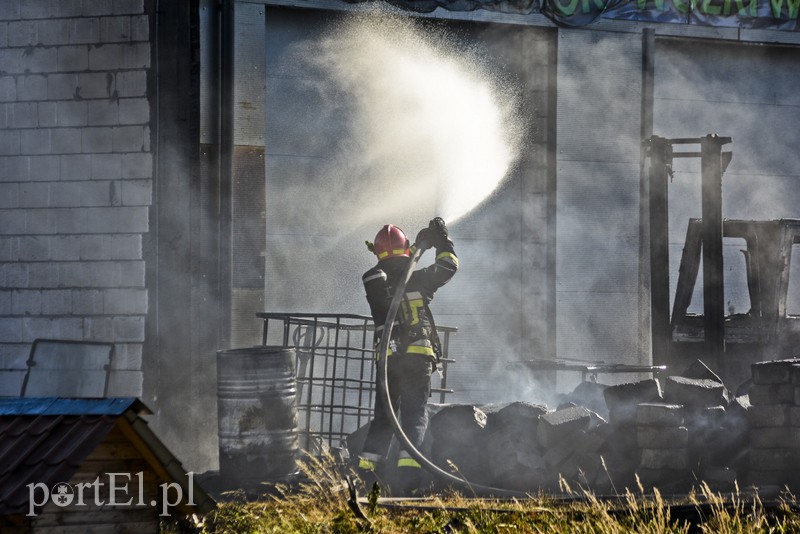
[391, 241]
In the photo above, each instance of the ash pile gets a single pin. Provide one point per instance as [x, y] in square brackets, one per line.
[668, 433]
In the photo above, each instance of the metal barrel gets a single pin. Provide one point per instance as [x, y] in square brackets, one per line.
[257, 414]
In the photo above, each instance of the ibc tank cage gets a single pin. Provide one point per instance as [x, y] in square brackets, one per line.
[336, 372]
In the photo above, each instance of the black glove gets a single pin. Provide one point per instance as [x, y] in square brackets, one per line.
[423, 240]
[437, 232]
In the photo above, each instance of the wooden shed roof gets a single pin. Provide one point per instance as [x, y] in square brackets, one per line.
[47, 439]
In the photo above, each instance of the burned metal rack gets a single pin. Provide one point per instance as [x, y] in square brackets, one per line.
[335, 372]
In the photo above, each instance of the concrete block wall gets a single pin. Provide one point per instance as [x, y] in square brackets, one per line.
[76, 173]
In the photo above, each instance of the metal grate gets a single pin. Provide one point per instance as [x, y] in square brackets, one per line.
[335, 372]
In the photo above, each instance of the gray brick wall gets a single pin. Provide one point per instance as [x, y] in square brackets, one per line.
[76, 180]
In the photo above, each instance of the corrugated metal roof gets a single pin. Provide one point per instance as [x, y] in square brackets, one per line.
[45, 440]
[70, 406]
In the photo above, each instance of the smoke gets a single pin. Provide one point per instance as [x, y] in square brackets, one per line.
[427, 130]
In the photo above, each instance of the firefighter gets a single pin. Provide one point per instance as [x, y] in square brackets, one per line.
[414, 345]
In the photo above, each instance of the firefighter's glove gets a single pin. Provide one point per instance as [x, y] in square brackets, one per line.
[423, 240]
[437, 231]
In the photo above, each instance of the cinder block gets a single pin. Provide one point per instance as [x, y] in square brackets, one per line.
[62, 86]
[128, 7]
[45, 168]
[7, 251]
[125, 383]
[65, 248]
[107, 57]
[134, 111]
[47, 115]
[659, 414]
[33, 248]
[26, 302]
[70, 221]
[96, 140]
[5, 300]
[95, 193]
[701, 417]
[3, 34]
[95, 247]
[138, 56]
[773, 372]
[769, 394]
[23, 114]
[32, 87]
[622, 399]
[771, 459]
[662, 437]
[12, 222]
[65, 194]
[97, 8]
[9, 196]
[137, 165]
[8, 89]
[137, 193]
[73, 58]
[9, 10]
[105, 274]
[87, 302]
[128, 329]
[11, 329]
[767, 415]
[22, 33]
[15, 168]
[126, 247]
[34, 9]
[106, 166]
[34, 195]
[115, 29]
[96, 84]
[16, 274]
[103, 112]
[54, 31]
[784, 437]
[67, 140]
[555, 427]
[514, 414]
[43, 275]
[40, 59]
[128, 139]
[74, 275]
[33, 142]
[9, 142]
[140, 28]
[98, 328]
[85, 30]
[76, 167]
[127, 356]
[71, 113]
[57, 302]
[132, 273]
[694, 392]
[131, 83]
[676, 459]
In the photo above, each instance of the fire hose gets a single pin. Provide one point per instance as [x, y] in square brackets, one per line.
[383, 391]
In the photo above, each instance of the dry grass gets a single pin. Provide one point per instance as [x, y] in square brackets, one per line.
[321, 506]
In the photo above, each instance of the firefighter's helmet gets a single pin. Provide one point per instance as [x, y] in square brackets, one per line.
[391, 241]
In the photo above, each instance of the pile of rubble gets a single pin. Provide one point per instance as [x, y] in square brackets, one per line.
[669, 432]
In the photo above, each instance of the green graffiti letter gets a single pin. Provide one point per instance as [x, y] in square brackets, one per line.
[681, 6]
[794, 5]
[776, 8]
[567, 10]
[708, 9]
